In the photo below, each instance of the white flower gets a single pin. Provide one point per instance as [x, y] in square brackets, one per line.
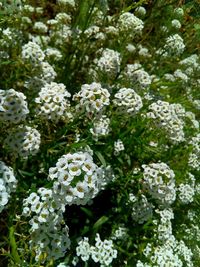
[118, 147]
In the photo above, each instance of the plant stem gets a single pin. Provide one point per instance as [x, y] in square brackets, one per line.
[13, 245]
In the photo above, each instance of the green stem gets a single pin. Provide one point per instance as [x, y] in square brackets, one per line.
[13, 245]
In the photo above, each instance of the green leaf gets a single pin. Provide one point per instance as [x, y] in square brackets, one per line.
[197, 26]
[24, 173]
[101, 158]
[100, 222]
[13, 245]
[87, 211]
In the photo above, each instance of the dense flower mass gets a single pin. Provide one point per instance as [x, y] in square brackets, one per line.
[99, 116]
[14, 108]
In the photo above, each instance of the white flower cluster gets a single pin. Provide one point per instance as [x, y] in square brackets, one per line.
[77, 178]
[118, 147]
[158, 180]
[140, 11]
[50, 241]
[94, 32]
[172, 253]
[103, 251]
[39, 203]
[100, 127]
[179, 11]
[176, 24]
[143, 51]
[109, 63]
[186, 193]
[190, 67]
[47, 72]
[40, 27]
[164, 228]
[174, 45]
[32, 51]
[191, 61]
[13, 106]
[193, 232]
[31, 9]
[92, 98]
[142, 209]
[53, 53]
[41, 41]
[62, 35]
[8, 36]
[49, 237]
[120, 233]
[130, 25]
[137, 75]
[63, 18]
[23, 141]
[66, 2]
[180, 75]
[169, 117]
[127, 101]
[194, 156]
[52, 102]
[8, 184]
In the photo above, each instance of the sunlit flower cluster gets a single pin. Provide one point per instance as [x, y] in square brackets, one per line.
[52, 102]
[159, 181]
[76, 178]
[92, 98]
[170, 118]
[127, 101]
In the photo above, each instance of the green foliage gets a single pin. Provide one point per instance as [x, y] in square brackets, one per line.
[133, 141]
